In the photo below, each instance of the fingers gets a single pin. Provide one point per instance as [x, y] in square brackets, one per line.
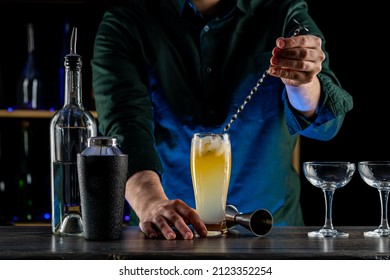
[297, 55]
[191, 217]
[290, 75]
[301, 41]
[297, 59]
[170, 214]
[149, 229]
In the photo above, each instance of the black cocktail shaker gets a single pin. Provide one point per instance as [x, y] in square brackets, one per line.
[102, 173]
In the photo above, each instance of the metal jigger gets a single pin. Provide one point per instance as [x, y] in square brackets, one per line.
[259, 222]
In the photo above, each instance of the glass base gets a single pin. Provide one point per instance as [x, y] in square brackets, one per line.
[72, 225]
[216, 229]
[379, 232]
[213, 233]
[216, 233]
[327, 233]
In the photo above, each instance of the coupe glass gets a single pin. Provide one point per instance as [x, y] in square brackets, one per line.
[328, 176]
[377, 174]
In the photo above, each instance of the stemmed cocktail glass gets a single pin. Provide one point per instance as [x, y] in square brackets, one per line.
[328, 176]
[377, 174]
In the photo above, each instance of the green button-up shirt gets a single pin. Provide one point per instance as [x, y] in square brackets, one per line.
[162, 71]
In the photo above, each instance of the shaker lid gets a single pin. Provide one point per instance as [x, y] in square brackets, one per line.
[101, 146]
[101, 141]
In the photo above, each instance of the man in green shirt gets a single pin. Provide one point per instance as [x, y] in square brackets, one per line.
[164, 69]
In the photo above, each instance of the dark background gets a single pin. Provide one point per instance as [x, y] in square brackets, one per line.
[356, 35]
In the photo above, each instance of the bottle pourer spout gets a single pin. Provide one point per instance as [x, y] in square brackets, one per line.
[73, 41]
[73, 59]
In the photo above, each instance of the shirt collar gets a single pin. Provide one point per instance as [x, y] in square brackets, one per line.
[243, 5]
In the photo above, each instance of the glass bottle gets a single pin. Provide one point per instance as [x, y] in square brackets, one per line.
[24, 176]
[5, 195]
[70, 128]
[2, 105]
[29, 85]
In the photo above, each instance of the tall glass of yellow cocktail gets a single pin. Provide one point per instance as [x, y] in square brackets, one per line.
[211, 163]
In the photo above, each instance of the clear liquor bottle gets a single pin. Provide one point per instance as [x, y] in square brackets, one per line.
[29, 86]
[70, 128]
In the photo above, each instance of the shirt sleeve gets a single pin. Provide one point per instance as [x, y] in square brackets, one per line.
[121, 93]
[335, 102]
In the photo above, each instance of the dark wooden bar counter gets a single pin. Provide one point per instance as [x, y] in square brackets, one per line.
[282, 243]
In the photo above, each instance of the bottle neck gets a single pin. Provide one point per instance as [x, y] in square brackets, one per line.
[30, 38]
[30, 64]
[25, 136]
[73, 86]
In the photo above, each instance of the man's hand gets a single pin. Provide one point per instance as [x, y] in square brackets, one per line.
[297, 60]
[156, 212]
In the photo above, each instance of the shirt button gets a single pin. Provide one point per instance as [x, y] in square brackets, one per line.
[206, 28]
[208, 70]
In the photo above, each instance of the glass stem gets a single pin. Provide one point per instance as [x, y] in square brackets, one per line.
[328, 208]
[384, 196]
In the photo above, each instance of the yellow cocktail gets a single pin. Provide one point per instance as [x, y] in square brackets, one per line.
[210, 170]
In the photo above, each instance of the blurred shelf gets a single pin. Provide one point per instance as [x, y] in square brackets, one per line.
[37, 114]
[43, 1]
[32, 224]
